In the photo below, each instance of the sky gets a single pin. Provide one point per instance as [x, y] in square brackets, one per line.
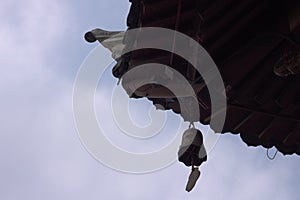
[42, 157]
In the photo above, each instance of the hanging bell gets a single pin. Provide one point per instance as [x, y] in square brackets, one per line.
[191, 151]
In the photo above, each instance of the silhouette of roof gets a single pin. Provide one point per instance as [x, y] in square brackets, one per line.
[255, 44]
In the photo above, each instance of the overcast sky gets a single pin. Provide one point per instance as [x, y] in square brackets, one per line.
[42, 48]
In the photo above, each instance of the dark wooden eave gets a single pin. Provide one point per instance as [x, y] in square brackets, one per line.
[246, 39]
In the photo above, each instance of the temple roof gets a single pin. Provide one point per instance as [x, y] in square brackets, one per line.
[255, 45]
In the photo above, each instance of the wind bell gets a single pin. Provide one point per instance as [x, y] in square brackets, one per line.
[192, 153]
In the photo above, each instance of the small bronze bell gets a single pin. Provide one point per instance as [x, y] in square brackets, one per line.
[192, 151]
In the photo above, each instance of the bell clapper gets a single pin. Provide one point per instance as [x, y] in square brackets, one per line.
[194, 176]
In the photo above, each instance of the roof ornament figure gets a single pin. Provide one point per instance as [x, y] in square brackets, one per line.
[112, 40]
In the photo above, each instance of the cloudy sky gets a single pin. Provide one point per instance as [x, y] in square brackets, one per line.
[42, 48]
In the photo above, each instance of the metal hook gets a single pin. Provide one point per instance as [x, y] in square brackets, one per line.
[192, 125]
[274, 156]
